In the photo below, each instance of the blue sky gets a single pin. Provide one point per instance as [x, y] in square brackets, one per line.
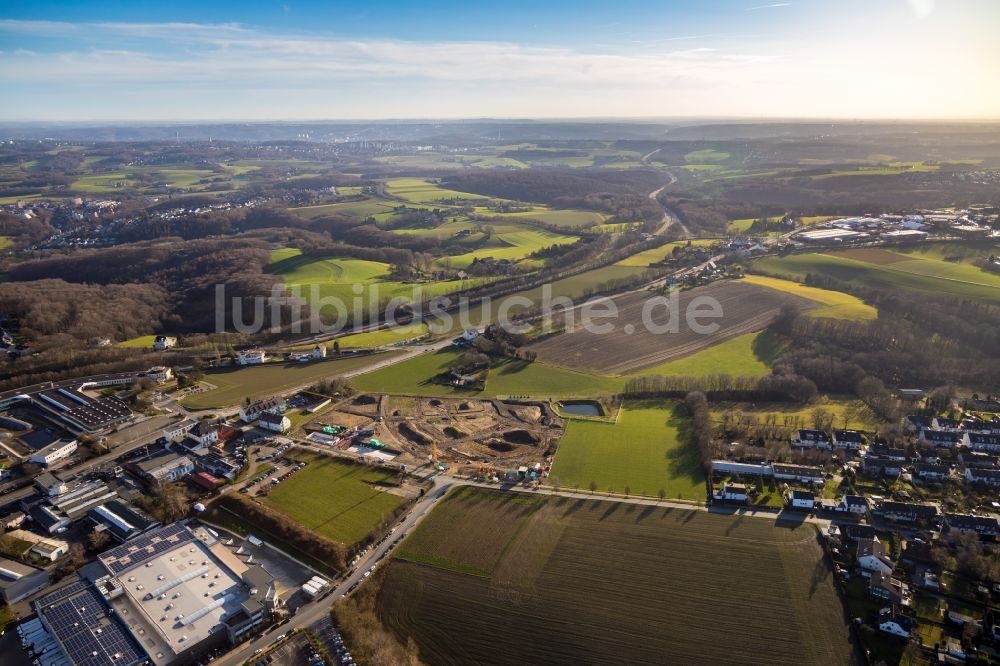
[670, 58]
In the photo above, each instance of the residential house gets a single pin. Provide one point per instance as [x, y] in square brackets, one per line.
[916, 423]
[251, 411]
[930, 472]
[205, 433]
[251, 357]
[944, 423]
[985, 477]
[734, 492]
[856, 504]
[888, 452]
[275, 422]
[984, 526]
[177, 431]
[984, 442]
[852, 440]
[947, 439]
[812, 439]
[891, 621]
[801, 499]
[978, 459]
[888, 588]
[160, 374]
[877, 466]
[872, 557]
[857, 531]
[907, 512]
[164, 342]
[798, 473]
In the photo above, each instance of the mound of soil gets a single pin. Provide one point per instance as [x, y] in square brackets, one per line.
[366, 400]
[436, 403]
[500, 446]
[521, 437]
[527, 414]
[411, 433]
[454, 432]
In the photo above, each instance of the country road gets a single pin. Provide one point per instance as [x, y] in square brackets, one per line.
[669, 217]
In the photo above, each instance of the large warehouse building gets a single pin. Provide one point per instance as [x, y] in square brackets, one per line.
[168, 596]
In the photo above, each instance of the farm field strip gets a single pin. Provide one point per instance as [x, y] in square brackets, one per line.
[620, 583]
[836, 305]
[745, 307]
[972, 283]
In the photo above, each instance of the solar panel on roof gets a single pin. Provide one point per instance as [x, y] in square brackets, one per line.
[88, 633]
[145, 547]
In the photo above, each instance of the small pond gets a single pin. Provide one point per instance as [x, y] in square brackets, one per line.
[582, 408]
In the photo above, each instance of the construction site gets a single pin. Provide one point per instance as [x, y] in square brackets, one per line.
[484, 438]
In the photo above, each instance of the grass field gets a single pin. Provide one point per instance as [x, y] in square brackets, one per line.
[847, 413]
[381, 337]
[233, 386]
[893, 271]
[834, 304]
[141, 342]
[5, 242]
[647, 449]
[514, 245]
[337, 500]
[513, 579]
[748, 355]
[706, 156]
[419, 190]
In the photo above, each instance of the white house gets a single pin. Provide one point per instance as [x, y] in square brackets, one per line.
[275, 422]
[251, 357]
[801, 499]
[164, 342]
[178, 431]
[872, 557]
[812, 439]
[982, 441]
[252, 411]
[54, 452]
[205, 433]
[987, 477]
[853, 504]
[734, 492]
[160, 374]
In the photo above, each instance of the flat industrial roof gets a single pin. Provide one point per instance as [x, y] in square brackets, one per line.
[176, 598]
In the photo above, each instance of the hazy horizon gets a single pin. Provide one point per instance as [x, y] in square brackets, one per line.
[646, 61]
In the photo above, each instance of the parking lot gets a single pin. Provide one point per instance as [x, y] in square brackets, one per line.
[298, 650]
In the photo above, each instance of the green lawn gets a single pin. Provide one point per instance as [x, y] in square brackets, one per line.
[381, 337]
[748, 355]
[647, 449]
[233, 386]
[924, 275]
[141, 342]
[337, 500]
[513, 245]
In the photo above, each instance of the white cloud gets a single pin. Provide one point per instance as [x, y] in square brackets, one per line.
[175, 70]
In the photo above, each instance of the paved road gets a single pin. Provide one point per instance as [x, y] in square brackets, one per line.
[669, 218]
[309, 614]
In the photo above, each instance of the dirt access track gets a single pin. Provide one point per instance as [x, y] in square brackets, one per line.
[745, 308]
